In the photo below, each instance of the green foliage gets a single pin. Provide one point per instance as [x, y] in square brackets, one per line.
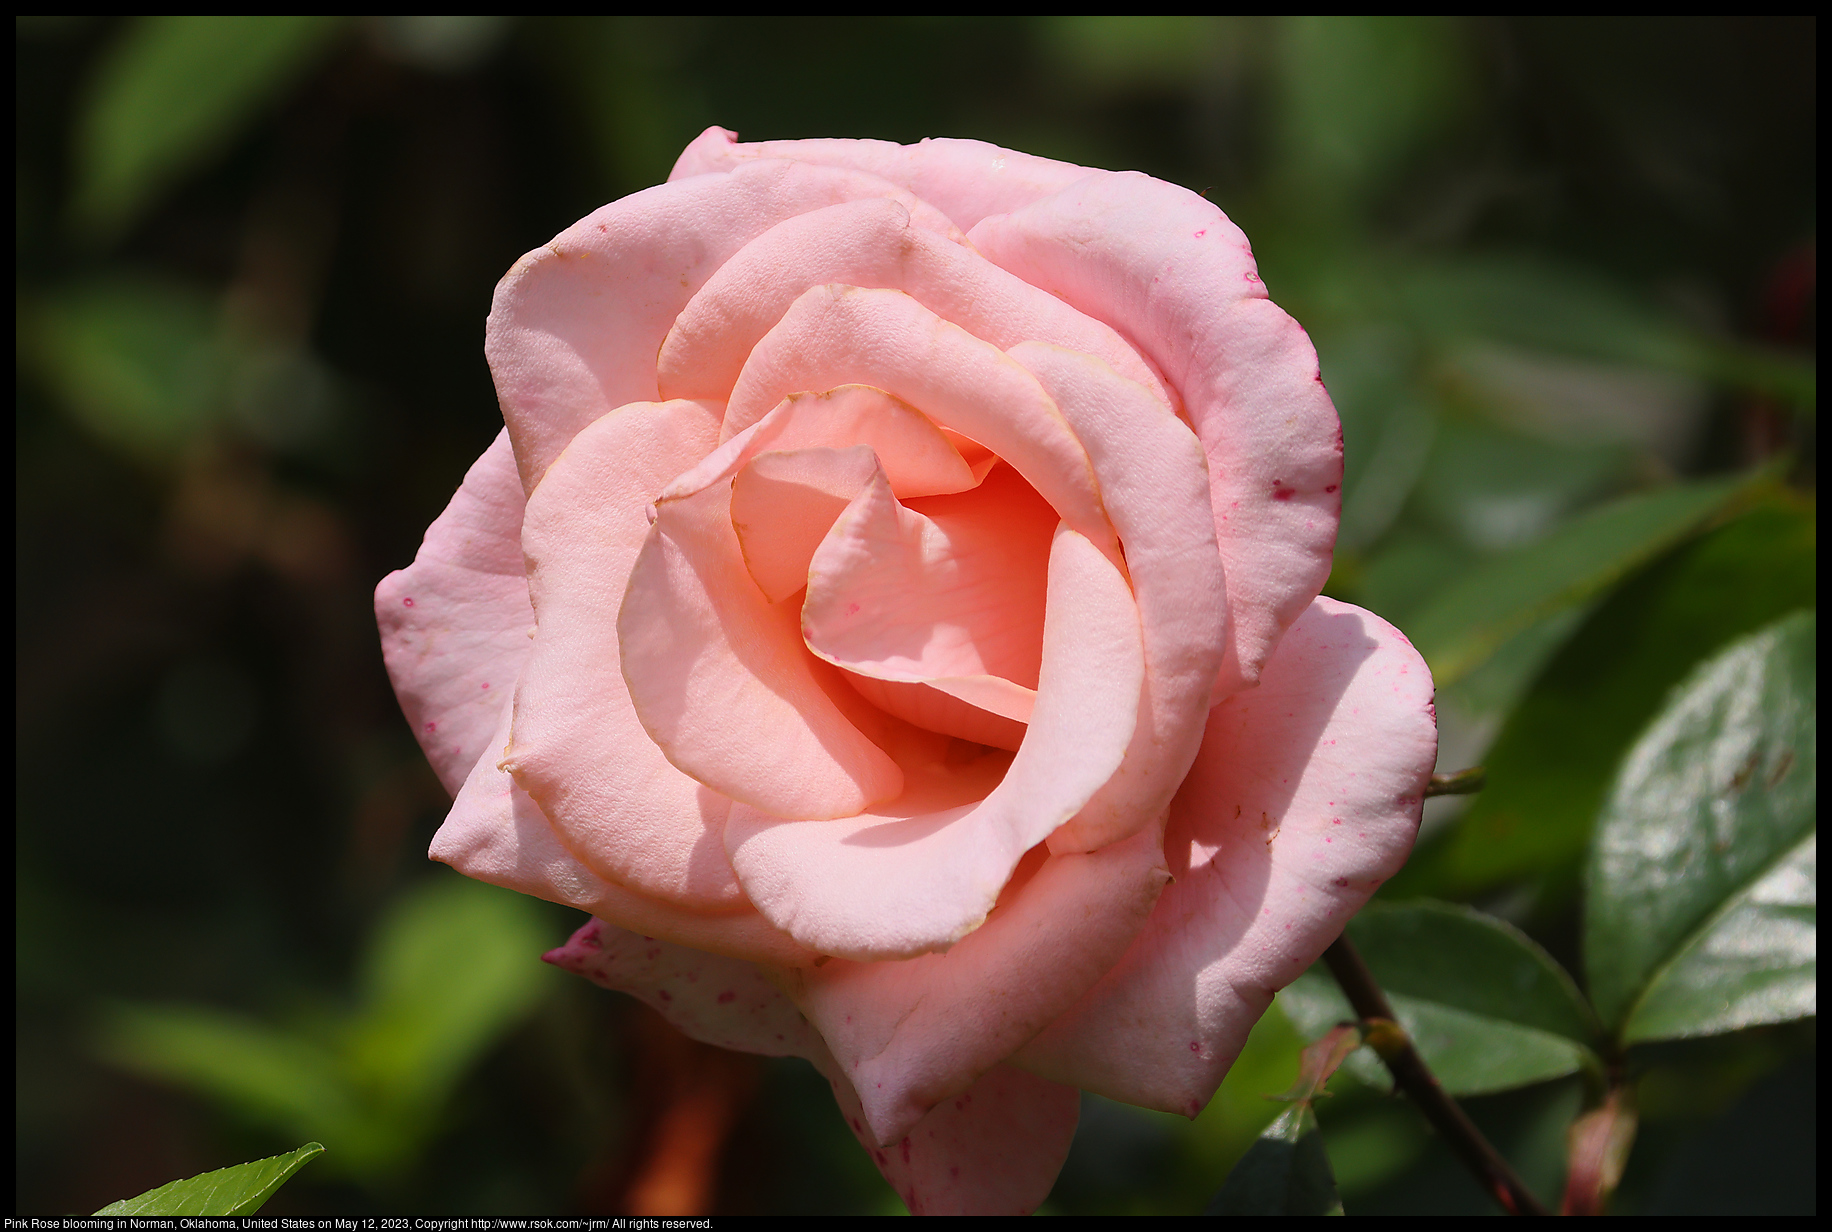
[1285, 1173]
[450, 969]
[240, 1190]
[1487, 1008]
[136, 361]
[173, 92]
[1473, 616]
[1360, 94]
[1700, 887]
[1552, 762]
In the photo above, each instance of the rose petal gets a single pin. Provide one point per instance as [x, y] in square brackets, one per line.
[715, 999]
[966, 180]
[836, 889]
[1172, 274]
[497, 833]
[723, 684]
[1155, 486]
[917, 456]
[1304, 798]
[455, 622]
[576, 324]
[929, 708]
[912, 1034]
[994, 1149]
[866, 243]
[783, 504]
[579, 748]
[954, 600]
[844, 335]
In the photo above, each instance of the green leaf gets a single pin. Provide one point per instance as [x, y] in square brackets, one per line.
[241, 1190]
[453, 965]
[1755, 962]
[1487, 1008]
[1552, 761]
[265, 1074]
[1530, 302]
[1286, 1172]
[1471, 618]
[450, 968]
[135, 361]
[1716, 798]
[173, 92]
[1359, 94]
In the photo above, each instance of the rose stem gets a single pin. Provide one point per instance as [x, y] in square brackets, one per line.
[1411, 1076]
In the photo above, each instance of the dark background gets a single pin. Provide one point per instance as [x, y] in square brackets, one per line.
[250, 373]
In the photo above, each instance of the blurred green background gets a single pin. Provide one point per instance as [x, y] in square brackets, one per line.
[1561, 276]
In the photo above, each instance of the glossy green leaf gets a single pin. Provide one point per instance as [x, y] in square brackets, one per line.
[172, 93]
[1552, 761]
[1487, 1008]
[1473, 616]
[1755, 962]
[1716, 798]
[241, 1190]
[1286, 1172]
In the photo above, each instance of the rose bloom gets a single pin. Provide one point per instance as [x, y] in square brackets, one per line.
[891, 610]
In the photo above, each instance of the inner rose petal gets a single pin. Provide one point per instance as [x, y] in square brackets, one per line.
[867, 243]
[832, 887]
[919, 458]
[783, 504]
[722, 682]
[836, 335]
[949, 593]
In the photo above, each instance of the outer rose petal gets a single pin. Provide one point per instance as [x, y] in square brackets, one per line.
[966, 180]
[1171, 273]
[1155, 486]
[497, 833]
[996, 1148]
[913, 1034]
[455, 622]
[576, 324]
[578, 747]
[1304, 798]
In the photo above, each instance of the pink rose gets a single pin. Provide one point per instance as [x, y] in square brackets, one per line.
[892, 611]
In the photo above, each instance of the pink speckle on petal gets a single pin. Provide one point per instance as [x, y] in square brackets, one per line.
[407, 603]
[665, 995]
[1195, 1046]
[1250, 276]
[432, 727]
[727, 997]
[852, 609]
[1200, 233]
[1330, 488]
[486, 684]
